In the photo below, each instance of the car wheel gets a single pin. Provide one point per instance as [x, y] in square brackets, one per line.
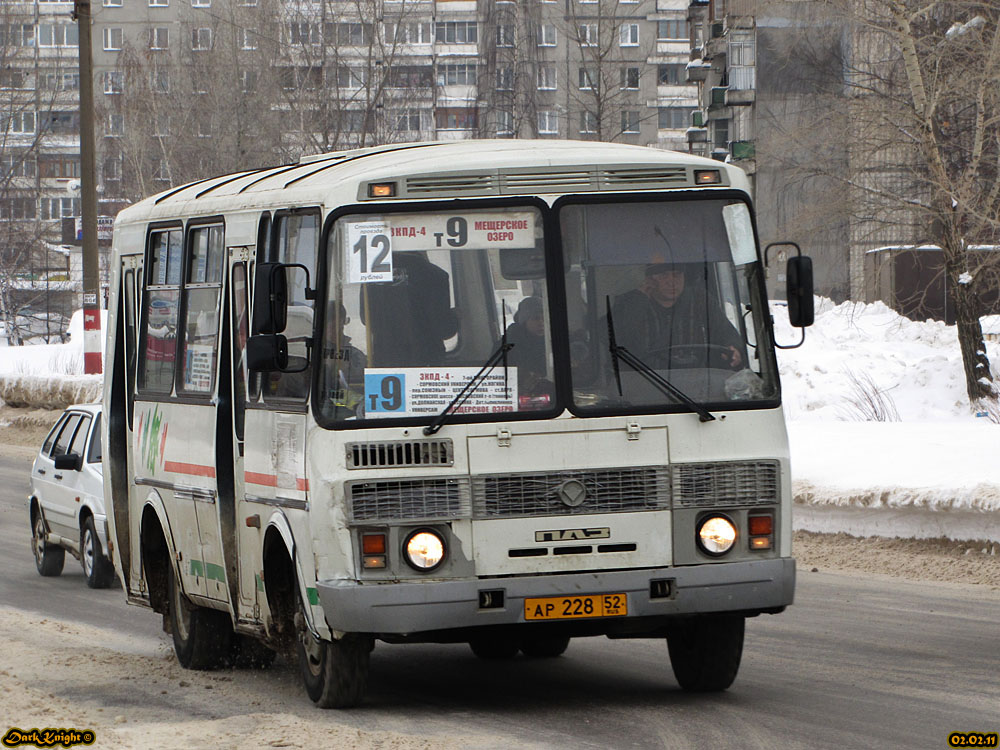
[49, 558]
[705, 653]
[499, 647]
[544, 647]
[97, 568]
[202, 636]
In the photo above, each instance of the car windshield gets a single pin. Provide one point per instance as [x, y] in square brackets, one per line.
[676, 284]
[416, 304]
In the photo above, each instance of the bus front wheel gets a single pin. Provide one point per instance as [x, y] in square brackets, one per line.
[705, 652]
[335, 673]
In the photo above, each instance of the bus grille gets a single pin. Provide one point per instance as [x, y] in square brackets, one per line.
[538, 494]
[400, 453]
[725, 484]
[409, 499]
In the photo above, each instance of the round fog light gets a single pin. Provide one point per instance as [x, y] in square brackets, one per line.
[424, 550]
[716, 535]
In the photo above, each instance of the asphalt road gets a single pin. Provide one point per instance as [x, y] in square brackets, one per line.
[857, 662]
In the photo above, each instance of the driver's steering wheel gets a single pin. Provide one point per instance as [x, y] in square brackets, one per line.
[678, 356]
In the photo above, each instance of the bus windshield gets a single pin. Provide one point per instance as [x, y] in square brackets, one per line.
[674, 282]
[416, 304]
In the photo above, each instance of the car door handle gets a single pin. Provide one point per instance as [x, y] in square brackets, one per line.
[57, 476]
[41, 471]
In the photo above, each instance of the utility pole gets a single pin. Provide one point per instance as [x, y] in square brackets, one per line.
[91, 269]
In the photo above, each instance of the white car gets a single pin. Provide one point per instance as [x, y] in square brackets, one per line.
[67, 498]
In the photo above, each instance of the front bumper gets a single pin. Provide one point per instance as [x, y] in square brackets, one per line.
[409, 608]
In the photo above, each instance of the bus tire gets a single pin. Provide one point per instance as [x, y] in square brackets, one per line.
[545, 647]
[335, 673]
[49, 559]
[202, 636]
[494, 647]
[705, 652]
[97, 568]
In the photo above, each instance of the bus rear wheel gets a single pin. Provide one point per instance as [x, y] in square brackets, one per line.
[545, 647]
[494, 647]
[202, 636]
[705, 652]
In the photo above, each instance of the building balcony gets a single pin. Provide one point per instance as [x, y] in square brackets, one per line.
[697, 135]
[742, 150]
[697, 71]
[740, 98]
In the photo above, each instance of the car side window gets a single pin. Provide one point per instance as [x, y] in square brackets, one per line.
[51, 438]
[66, 435]
[79, 444]
[94, 456]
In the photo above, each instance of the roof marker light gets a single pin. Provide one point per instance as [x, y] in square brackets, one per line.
[707, 177]
[382, 190]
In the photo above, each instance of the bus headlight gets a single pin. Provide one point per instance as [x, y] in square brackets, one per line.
[424, 550]
[716, 535]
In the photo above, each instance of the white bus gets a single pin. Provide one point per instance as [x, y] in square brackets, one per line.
[503, 393]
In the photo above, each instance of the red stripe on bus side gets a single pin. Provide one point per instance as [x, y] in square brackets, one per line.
[196, 470]
[270, 480]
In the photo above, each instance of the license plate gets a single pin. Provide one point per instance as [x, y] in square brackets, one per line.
[575, 607]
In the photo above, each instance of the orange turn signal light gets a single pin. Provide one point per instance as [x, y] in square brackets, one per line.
[761, 525]
[373, 544]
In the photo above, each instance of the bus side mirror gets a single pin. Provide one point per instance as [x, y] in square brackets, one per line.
[270, 299]
[799, 288]
[267, 352]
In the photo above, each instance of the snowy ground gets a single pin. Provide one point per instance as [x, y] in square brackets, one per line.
[929, 471]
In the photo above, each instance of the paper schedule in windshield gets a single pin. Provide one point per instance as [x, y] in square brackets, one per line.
[425, 391]
[372, 242]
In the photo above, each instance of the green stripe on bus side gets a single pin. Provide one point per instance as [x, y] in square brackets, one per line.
[260, 582]
[208, 570]
[313, 595]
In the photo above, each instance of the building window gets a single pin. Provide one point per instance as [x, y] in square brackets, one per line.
[159, 3]
[547, 77]
[505, 79]
[587, 34]
[628, 35]
[671, 74]
[351, 78]
[742, 49]
[114, 126]
[60, 208]
[505, 35]
[112, 39]
[456, 32]
[17, 207]
[159, 81]
[505, 122]
[14, 79]
[58, 167]
[409, 33]
[162, 173]
[247, 39]
[113, 82]
[353, 34]
[57, 35]
[58, 80]
[22, 123]
[588, 122]
[17, 164]
[60, 123]
[201, 3]
[17, 35]
[548, 122]
[409, 77]
[675, 29]
[201, 39]
[588, 79]
[546, 35]
[674, 118]
[630, 122]
[457, 118]
[303, 33]
[112, 3]
[629, 78]
[457, 74]
[411, 120]
[248, 81]
[112, 169]
[159, 38]
[161, 126]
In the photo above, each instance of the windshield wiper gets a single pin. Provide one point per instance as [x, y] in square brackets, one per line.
[651, 375]
[463, 395]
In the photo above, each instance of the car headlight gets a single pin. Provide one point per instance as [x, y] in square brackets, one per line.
[424, 550]
[716, 535]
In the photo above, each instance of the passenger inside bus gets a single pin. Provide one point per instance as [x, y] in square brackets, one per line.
[528, 355]
[410, 317]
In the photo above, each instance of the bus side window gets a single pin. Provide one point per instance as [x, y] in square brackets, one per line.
[130, 341]
[262, 254]
[240, 333]
[202, 292]
[294, 239]
[162, 300]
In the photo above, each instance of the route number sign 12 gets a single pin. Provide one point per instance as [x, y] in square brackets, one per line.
[369, 252]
